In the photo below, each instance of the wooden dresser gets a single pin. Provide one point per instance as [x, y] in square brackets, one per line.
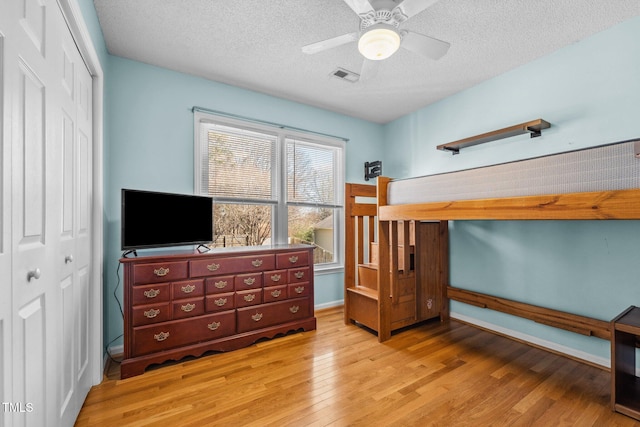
[187, 304]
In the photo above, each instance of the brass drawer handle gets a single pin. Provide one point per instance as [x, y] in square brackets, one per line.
[294, 309]
[150, 314]
[221, 284]
[249, 297]
[299, 289]
[161, 272]
[187, 307]
[257, 317]
[213, 326]
[293, 259]
[187, 289]
[250, 281]
[276, 277]
[220, 302]
[276, 293]
[161, 336]
[152, 293]
[256, 262]
[299, 274]
[213, 267]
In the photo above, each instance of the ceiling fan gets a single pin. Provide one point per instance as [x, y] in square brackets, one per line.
[379, 36]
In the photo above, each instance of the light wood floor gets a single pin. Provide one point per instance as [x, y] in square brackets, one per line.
[437, 374]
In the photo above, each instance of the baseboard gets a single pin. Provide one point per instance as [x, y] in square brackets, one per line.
[535, 341]
[113, 351]
[330, 304]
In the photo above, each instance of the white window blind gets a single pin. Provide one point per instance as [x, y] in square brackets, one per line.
[240, 163]
[311, 173]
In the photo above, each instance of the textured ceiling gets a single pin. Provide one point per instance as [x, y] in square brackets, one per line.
[256, 44]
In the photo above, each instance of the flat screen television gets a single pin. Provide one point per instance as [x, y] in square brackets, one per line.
[154, 219]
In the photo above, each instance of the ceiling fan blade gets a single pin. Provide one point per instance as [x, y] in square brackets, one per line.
[413, 7]
[361, 7]
[424, 45]
[329, 43]
[369, 70]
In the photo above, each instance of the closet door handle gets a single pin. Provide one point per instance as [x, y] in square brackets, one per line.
[33, 274]
[68, 259]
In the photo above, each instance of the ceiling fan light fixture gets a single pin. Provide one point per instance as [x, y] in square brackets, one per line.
[379, 42]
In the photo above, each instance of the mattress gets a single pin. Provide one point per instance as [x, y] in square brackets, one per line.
[613, 166]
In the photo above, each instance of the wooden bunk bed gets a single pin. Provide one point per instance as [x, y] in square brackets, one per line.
[387, 215]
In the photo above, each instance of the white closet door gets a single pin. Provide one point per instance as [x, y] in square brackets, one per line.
[36, 186]
[74, 228]
[47, 90]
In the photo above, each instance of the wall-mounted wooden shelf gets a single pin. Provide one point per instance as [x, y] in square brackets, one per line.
[534, 128]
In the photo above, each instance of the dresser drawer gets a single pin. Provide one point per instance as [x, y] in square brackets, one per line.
[297, 290]
[219, 284]
[220, 302]
[248, 281]
[275, 293]
[160, 272]
[275, 277]
[247, 298]
[153, 313]
[265, 315]
[292, 259]
[163, 336]
[188, 308]
[208, 267]
[299, 275]
[187, 289]
[148, 294]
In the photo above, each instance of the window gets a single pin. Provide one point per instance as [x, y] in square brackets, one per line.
[271, 185]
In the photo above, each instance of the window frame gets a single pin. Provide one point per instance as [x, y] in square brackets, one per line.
[279, 224]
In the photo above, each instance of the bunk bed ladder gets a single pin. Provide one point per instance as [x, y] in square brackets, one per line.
[392, 306]
[360, 277]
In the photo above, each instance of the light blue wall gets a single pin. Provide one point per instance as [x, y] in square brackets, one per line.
[590, 93]
[150, 146]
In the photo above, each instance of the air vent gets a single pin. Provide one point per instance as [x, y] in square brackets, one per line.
[346, 75]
